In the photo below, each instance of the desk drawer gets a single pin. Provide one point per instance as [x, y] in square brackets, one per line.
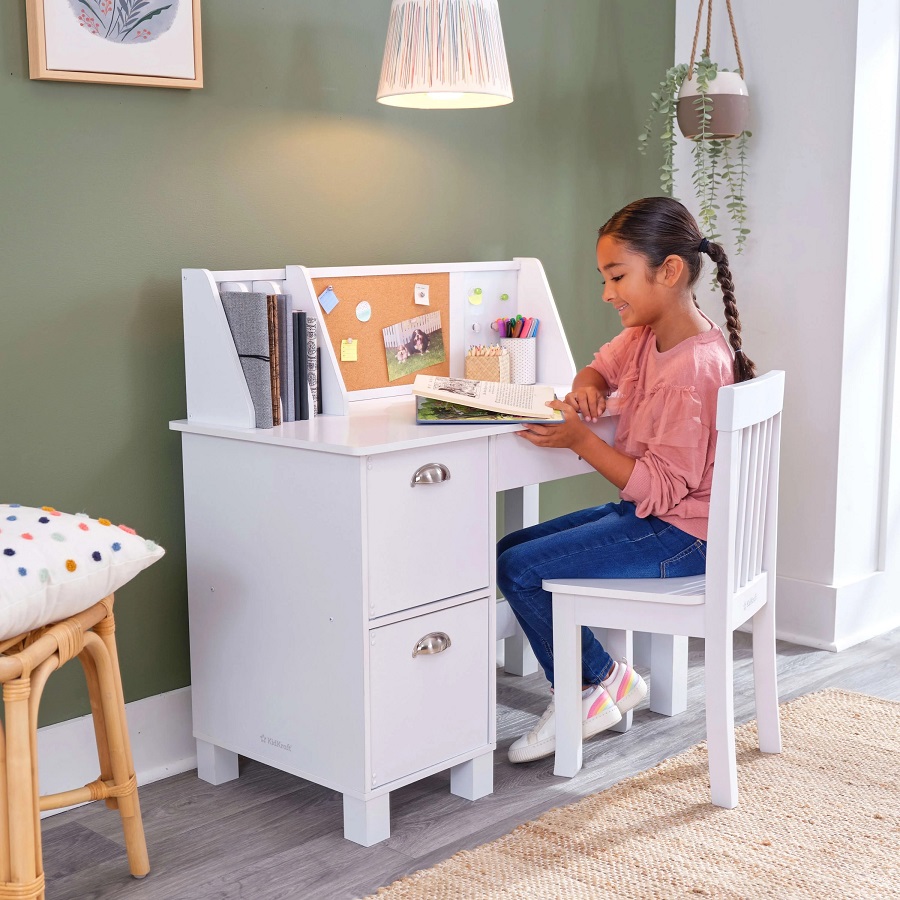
[520, 463]
[432, 706]
[429, 541]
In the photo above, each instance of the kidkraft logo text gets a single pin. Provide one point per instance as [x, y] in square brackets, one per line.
[272, 742]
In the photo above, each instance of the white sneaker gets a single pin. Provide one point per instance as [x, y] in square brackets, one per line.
[625, 686]
[598, 712]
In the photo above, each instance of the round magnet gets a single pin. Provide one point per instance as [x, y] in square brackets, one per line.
[363, 311]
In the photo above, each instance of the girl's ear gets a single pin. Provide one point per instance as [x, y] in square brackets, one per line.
[670, 271]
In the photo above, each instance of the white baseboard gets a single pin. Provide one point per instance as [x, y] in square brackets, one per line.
[835, 617]
[162, 744]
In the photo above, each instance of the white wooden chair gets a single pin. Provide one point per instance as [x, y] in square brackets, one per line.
[739, 585]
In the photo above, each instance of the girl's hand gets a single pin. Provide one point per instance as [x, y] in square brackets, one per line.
[557, 434]
[588, 401]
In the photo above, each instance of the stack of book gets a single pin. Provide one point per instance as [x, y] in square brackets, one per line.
[278, 350]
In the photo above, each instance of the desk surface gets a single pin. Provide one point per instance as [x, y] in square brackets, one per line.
[373, 426]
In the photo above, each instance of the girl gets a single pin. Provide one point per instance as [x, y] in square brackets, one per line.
[666, 368]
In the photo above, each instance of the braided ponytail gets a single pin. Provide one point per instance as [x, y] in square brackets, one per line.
[657, 227]
[744, 367]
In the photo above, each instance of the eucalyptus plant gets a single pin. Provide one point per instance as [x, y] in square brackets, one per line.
[720, 165]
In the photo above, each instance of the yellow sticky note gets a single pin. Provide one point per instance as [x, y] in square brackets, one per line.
[475, 297]
[349, 350]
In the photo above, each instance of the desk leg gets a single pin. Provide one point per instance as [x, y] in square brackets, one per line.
[473, 779]
[367, 822]
[216, 764]
[520, 509]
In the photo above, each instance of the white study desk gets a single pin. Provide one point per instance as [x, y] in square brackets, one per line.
[316, 567]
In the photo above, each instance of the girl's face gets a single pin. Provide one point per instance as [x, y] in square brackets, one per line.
[629, 285]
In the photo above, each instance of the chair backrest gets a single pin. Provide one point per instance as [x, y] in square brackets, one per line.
[743, 510]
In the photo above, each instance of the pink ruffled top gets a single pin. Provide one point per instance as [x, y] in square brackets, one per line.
[666, 404]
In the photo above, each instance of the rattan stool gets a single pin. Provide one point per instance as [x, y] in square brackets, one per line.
[26, 662]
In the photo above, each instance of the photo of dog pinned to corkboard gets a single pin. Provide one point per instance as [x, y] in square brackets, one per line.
[413, 345]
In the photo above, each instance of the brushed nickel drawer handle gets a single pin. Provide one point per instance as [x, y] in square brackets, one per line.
[430, 473]
[436, 642]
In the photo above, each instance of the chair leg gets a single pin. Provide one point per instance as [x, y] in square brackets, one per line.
[641, 649]
[620, 645]
[99, 721]
[25, 871]
[719, 676]
[39, 678]
[668, 674]
[765, 679]
[106, 659]
[4, 812]
[567, 686]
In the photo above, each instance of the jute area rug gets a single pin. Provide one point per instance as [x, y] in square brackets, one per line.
[821, 820]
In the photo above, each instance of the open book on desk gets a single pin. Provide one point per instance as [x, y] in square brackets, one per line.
[452, 398]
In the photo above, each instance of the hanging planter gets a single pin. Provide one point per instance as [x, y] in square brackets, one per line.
[729, 107]
[712, 108]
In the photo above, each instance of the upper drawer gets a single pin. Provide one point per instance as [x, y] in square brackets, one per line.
[427, 541]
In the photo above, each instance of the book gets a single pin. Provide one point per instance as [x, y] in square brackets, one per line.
[274, 374]
[312, 363]
[523, 400]
[286, 356]
[439, 412]
[301, 391]
[247, 316]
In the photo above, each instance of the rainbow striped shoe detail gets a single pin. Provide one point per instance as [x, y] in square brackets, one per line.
[625, 686]
[598, 712]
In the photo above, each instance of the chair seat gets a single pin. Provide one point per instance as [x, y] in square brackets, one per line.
[688, 591]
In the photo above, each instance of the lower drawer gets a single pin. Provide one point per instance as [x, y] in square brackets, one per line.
[432, 706]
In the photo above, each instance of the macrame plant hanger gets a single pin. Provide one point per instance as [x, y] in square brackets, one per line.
[737, 46]
[730, 107]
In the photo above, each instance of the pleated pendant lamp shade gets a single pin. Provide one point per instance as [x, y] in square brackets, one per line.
[444, 54]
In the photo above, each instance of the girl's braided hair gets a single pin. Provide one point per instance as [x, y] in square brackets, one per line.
[657, 227]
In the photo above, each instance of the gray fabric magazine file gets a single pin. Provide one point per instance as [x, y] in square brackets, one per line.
[248, 320]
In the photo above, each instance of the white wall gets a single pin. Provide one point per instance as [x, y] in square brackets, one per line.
[817, 294]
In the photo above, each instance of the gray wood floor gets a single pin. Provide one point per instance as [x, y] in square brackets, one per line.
[270, 835]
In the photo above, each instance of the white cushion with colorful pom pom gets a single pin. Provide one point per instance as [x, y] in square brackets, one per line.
[55, 564]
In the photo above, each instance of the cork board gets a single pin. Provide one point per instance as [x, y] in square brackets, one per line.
[392, 300]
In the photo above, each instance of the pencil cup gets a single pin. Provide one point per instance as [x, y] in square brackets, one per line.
[522, 357]
[488, 368]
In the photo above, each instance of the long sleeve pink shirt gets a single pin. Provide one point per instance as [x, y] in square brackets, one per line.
[666, 404]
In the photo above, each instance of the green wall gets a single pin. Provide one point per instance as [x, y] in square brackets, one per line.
[284, 157]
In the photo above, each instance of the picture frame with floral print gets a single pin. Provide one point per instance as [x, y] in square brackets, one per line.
[153, 43]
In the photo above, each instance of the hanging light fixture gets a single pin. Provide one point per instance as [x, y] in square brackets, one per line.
[444, 54]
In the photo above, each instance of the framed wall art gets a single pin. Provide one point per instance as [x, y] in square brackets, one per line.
[155, 43]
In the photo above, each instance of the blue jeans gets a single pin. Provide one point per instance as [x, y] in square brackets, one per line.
[607, 541]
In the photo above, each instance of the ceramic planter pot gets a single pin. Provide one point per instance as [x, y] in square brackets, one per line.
[730, 107]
